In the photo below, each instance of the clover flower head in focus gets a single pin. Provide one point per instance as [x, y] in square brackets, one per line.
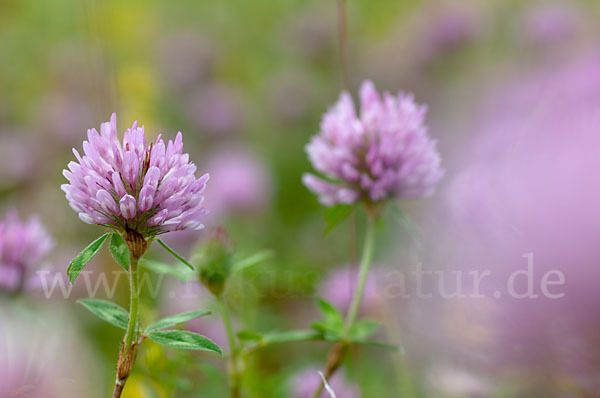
[135, 186]
[384, 152]
[23, 245]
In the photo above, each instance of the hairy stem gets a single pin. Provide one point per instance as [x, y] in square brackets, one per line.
[338, 352]
[234, 374]
[137, 246]
[134, 298]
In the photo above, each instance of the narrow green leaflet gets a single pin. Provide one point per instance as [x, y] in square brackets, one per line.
[327, 331]
[171, 321]
[406, 222]
[362, 330]
[183, 274]
[174, 254]
[252, 260]
[119, 250]
[379, 344]
[84, 257]
[291, 336]
[335, 215]
[107, 311]
[184, 340]
[248, 335]
[331, 327]
[331, 314]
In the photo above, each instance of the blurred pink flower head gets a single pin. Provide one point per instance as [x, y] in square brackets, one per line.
[19, 158]
[241, 182]
[382, 153]
[448, 27]
[528, 185]
[547, 23]
[216, 110]
[23, 245]
[451, 381]
[150, 189]
[187, 58]
[33, 360]
[305, 383]
[340, 285]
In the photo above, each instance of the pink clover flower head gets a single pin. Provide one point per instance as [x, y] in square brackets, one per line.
[23, 245]
[382, 153]
[147, 188]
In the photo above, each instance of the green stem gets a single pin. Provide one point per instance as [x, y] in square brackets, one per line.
[133, 302]
[338, 352]
[365, 265]
[235, 387]
[128, 351]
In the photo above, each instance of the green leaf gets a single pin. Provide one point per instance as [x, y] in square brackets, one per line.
[84, 257]
[175, 319]
[184, 340]
[362, 330]
[291, 336]
[335, 215]
[119, 250]
[252, 260]
[248, 335]
[177, 256]
[331, 314]
[406, 222]
[107, 311]
[379, 344]
[182, 274]
[327, 331]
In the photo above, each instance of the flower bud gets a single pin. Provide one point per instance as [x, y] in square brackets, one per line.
[215, 260]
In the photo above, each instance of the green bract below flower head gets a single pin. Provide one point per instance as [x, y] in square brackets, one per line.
[134, 186]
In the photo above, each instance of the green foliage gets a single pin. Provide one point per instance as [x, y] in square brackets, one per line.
[335, 215]
[119, 250]
[84, 257]
[362, 330]
[184, 340]
[252, 260]
[248, 335]
[331, 314]
[332, 326]
[291, 336]
[379, 344]
[171, 321]
[107, 311]
[215, 262]
[183, 274]
[174, 254]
